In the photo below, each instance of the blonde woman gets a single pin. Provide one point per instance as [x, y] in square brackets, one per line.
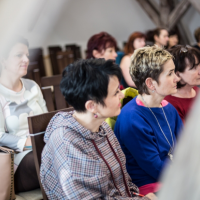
[148, 126]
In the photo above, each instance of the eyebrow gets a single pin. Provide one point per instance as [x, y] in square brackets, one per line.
[171, 70]
[117, 89]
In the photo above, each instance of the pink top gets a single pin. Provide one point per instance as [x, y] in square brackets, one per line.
[140, 103]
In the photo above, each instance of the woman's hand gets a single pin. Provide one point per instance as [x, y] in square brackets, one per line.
[152, 196]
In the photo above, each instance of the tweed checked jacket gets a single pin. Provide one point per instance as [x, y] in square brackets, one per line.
[73, 169]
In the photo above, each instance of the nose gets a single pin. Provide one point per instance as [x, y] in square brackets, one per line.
[115, 54]
[25, 58]
[121, 95]
[176, 78]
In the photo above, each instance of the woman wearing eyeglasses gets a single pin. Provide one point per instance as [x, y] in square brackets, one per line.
[187, 68]
[148, 126]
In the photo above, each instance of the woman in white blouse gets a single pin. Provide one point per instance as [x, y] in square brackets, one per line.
[19, 98]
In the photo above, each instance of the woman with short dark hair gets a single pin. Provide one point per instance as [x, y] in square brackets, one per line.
[148, 126]
[82, 158]
[187, 68]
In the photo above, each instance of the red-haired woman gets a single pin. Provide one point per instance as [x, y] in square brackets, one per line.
[102, 45]
[135, 41]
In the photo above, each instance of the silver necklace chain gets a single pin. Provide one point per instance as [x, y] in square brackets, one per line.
[171, 146]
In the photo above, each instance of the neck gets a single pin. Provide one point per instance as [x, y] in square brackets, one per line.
[11, 82]
[158, 44]
[186, 91]
[152, 100]
[88, 121]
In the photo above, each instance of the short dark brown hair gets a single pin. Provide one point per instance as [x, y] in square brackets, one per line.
[197, 34]
[179, 57]
[147, 62]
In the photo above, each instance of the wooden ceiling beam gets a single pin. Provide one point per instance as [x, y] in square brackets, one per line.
[178, 12]
[196, 4]
[150, 10]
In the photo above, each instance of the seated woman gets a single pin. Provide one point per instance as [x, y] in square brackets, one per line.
[101, 45]
[148, 126]
[19, 98]
[187, 68]
[82, 158]
[135, 41]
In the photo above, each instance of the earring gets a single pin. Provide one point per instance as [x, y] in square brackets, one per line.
[153, 91]
[95, 115]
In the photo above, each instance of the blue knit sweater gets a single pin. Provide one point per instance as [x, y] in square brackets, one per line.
[142, 141]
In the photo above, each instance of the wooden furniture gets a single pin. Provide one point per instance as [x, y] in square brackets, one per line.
[75, 49]
[51, 90]
[36, 56]
[52, 54]
[64, 58]
[33, 72]
[38, 124]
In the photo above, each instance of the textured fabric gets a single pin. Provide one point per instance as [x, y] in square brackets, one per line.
[142, 141]
[182, 105]
[71, 167]
[15, 107]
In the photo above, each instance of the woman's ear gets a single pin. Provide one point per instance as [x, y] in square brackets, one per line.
[155, 38]
[90, 106]
[96, 54]
[150, 83]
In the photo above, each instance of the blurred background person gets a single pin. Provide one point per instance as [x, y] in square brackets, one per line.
[135, 41]
[101, 45]
[19, 98]
[173, 39]
[187, 68]
[158, 36]
[197, 37]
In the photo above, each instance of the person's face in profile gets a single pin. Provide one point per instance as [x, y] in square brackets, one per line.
[163, 38]
[17, 61]
[138, 43]
[167, 81]
[173, 40]
[112, 101]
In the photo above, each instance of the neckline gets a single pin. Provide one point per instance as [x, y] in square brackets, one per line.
[140, 103]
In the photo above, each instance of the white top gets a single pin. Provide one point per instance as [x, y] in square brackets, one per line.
[15, 107]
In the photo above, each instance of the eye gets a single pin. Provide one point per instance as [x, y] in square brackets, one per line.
[117, 92]
[19, 55]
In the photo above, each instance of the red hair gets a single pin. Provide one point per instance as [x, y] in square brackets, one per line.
[99, 42]
[129, 48]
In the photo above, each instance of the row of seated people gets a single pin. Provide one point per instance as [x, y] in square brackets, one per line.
[95, 165]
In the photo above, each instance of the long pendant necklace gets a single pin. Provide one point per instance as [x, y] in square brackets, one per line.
[171, 146]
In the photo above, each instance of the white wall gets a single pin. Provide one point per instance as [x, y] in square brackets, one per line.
[58, 22]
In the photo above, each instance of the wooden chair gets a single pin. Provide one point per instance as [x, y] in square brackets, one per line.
[52, 54]
[38, 124]
[76, 50]
[33, 72]
[36, 55]
[64, 58]
[53, 96]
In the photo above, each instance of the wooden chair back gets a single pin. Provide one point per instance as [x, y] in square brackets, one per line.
[38, 124]
[64, 58]
[53, 53]
[75, 49]
[33, 72]
[36, 55]
[51, 90]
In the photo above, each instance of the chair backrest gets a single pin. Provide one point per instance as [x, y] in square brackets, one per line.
[33, 72]
[51, 90]
[64, 58]
[36, 55]
[38, 124]
[52, 53]
[76, 50]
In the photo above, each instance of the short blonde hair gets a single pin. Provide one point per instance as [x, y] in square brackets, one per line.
[147, 62]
